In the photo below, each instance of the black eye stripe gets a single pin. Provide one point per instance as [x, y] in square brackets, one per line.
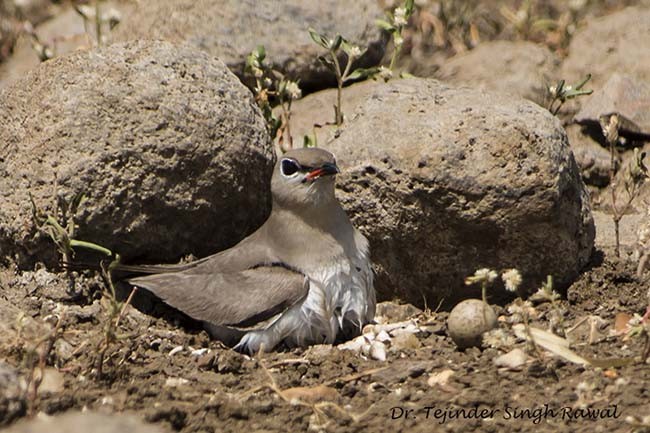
[289, 167]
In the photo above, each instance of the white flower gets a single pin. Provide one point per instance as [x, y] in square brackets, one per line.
[268, 82]
[400, 17]
[635, 320]
[385, 73]
[398, 40]
[293, 90]
[354, 51]
[482, 275]
[511, 279]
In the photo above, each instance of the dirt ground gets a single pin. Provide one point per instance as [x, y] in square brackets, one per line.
[171, 374]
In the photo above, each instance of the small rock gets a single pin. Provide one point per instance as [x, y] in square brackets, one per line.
[405, 341]
[175, 350]
[52, 381]
[356, 344]
[377, 351]
[592, 158]
[468, 321]
[63, 349]
[440, 378]
[199, 352]
[175, 382]
[393, 312]
[513, 360]
[229, 362]
[622, 94]
[207, 361]
[382, 336]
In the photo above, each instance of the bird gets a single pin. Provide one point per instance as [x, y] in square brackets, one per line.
[304, 277]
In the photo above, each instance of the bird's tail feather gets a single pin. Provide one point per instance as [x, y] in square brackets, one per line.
[134, 269]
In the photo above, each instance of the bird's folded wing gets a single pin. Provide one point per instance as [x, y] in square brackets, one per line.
[237, 299]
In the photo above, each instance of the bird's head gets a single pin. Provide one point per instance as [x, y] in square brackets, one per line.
[304, 177]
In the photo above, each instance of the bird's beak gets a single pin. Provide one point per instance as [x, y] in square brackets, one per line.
[324, 170]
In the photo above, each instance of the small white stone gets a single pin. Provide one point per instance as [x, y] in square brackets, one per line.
[175, 350]
[174, 382]
[200, 352]
[383, 336]
[356, 344]
[377, 351]
[513, 360]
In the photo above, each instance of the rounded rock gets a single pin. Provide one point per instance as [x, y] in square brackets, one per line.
[468, 321]
[445, 180]
[166, 146]
[231, 29]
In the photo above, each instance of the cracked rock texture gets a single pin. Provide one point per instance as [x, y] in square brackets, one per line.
[167, 147]
[446, 180]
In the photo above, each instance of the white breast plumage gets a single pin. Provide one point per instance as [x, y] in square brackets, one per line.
[340, 294]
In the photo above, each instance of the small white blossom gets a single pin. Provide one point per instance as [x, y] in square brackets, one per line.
[400, 17]
[293, 90]
[635, 320]
[512, 279]
[354, 51]
[398, 40]
[268, 82]
[482, 275]
[385, 73]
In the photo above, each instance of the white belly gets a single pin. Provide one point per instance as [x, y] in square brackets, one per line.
[339, 295]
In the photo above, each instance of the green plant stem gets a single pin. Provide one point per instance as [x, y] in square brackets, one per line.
[98, 23]
[484, 292]
[338, 115]
[91, 246]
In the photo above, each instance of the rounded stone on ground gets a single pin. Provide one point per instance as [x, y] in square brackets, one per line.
[468, 321]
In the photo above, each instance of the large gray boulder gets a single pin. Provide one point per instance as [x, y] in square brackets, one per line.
[166, 145]
[230, 29]
[446, 180]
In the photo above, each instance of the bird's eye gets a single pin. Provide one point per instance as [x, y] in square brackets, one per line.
[289, 167]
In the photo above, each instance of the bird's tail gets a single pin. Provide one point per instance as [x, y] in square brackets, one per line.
[130, 269]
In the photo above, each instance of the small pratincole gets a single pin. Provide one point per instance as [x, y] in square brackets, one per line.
[304, 277]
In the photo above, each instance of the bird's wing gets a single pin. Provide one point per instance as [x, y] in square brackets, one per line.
[250, 252]
[239, 298]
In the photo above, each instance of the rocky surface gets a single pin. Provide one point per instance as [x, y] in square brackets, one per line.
[168, 149]
[313, 115]
[592, 158]
[13, 403]
[8, 28]
[231, 29]
[614, 43]
[63, 33]
[444, 181]
[518, 68]
[624, 95]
